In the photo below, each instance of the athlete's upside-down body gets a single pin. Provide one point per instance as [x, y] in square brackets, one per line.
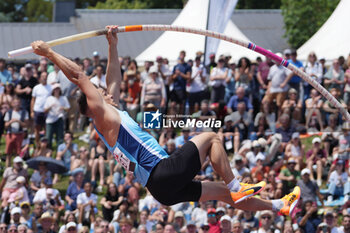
[168, 178]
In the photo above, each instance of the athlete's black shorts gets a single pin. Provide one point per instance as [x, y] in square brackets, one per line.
[171, 181]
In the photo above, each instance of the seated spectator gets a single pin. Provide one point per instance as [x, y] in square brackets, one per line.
[268, 112]
[98, 155]
[260, 172]
[252, 156]
[329, 220]
[170, 146]
[249, 221]
[266, 219]
[16, 119]
[122, 211]
[26, 218]
[289, 176]
[214, 223]
[196, 85]
[129, 188]
[242, 122]
[309, 189]
[331, 134]
[86, 203]
[273, 188]
[316, 155]
[42, 149]
[313, 114]
[239, 167]
[308, 219]
[20, 194]
[183, 138]
[40, 176]
[74, 189]
[237, 227]
[8, 182]
[68, 218]
[36, 215]
[144, 220]
[46, 221]
[227, 133]
[329, 108]
[72, 227]
[55, 107]
[50, 198]
[292, 106]
[23, 229]
[295, 150]
[334, 78]
[12, 228]
[15, 215]
[338, 184]
[239, 97]
[192, 228]
[204, 113]
[82, 160]
[285, 128]
[110, 202]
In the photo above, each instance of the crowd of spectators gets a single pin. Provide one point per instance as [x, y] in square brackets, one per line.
[265, 111]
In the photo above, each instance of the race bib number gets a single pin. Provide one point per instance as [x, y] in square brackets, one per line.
[121, 158]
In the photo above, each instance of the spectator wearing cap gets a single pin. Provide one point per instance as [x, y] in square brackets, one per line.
[153, 89]
[260, 172]
[197, 85]
[225, 224]
[313, 111]
[266, 220]
[25, 86]
[26, 218]
[295, 149]
[252, 156]
[214, 224]
[100, 78]
[227, 133]
[40, 177]
[74, 189]
[334, 78]
[330, 220]
[308, 219]
[5, 75]
[309, 189]
[15, 215]
[286, 53]
[338, 184]
[218, 76]
[55, 107]
[179, 221]
[316, 156]
[42, 149]
[289, 176]
[16, 119]
[239, 97]
[211, 64]
[21, 193]
[71, 227]
[239, 168]
[8, 182]
[277, 85]
[39, 95]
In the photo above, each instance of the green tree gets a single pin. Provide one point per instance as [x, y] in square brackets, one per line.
[139, 4]
[12, 10]
[302, 18]
[39, 11]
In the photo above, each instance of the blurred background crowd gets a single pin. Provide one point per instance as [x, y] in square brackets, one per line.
[275, 127]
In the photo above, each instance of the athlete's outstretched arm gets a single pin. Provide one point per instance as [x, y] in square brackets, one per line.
[113, 76]
[74, 74]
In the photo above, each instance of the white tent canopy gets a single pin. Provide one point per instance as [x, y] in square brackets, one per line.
[332, 39]
[194, 15]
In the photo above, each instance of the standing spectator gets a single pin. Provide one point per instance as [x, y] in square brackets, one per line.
[347, 82]
[316, 155]
[289, 176]
[132, 78]
[278, 85]
[74, 189]
[230, 81]
[153, 90]
[5, 75]
[181, 73]
[98, 156]
[334, 78]
[314, 69]
[39, 95]
[15, 120]
[309, 189]
[244, 75]
[295, 80]
[262, 75]
[218, 78]
[52, 77]
[145, 73]
[69, 90]
[25, 86]
[196, 85]
[55, 106]
[86, 203]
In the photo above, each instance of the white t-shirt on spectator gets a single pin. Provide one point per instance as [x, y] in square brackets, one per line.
[334, 178]
[83, 199]
[199, 216]
[277, 75]
[41, 93]
[15, 126]
[52, 78]
[99, 82]
[56, 110]
[216, 72]
[40, 195]
[197, 84]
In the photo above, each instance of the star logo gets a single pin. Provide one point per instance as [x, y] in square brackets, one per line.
[151, 120]
[156, 115]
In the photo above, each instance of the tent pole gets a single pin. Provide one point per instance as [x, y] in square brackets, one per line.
[206, 38]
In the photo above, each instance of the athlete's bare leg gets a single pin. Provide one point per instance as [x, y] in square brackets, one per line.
[219, 191]
[209, 144]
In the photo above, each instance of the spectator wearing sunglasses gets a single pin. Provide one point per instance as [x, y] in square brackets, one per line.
[266, 222]
[214, 224]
